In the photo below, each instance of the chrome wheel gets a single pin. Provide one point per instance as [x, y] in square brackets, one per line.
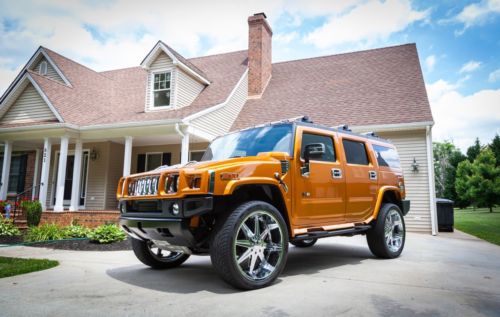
[162, 255]
[258, 247]
[394, 230]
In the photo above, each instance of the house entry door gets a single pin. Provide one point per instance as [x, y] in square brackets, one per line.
[68, 181]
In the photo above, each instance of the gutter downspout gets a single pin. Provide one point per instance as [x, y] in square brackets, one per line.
[432, 188]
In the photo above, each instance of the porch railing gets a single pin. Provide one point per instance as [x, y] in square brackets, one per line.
[25, 195]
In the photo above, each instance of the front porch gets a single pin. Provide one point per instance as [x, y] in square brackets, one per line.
[74, 174]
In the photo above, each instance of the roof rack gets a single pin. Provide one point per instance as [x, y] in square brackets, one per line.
[343, 127]
[371, 133]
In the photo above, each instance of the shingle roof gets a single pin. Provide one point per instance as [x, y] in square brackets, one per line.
[379, 86]
[118, 96]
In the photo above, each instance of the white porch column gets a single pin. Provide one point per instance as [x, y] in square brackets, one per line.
[36, 187]
[185, 148]
[127, 156]
[44, 178]
[77, 168]
[61, 174]
[7, 155]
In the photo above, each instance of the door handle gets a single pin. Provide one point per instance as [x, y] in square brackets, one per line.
[336, 173]
[372, 175]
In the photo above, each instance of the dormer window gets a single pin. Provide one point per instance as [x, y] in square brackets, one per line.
[161, 89]
[43, 68]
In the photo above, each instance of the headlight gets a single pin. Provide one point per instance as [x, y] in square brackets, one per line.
[175, 208]
[172, 184]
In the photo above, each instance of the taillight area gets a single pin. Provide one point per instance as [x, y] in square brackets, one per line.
[401, 185]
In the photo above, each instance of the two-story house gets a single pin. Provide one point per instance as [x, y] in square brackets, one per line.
[69, 133]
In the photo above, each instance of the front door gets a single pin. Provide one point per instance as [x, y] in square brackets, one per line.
[68, 181]
[320, 197]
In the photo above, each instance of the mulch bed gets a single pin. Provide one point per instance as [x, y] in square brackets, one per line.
[76, 245]
[84, 245]
[11, 239]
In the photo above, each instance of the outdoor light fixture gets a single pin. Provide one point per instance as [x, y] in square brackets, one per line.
[94, 155]
[414, 166]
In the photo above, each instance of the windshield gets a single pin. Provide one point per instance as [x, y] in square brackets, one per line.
[275, 138]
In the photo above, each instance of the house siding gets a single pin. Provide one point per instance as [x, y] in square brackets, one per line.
[187, 89]
[51, 72]
[412, 144]
[162, 62]
[219, 122]
[29, 107]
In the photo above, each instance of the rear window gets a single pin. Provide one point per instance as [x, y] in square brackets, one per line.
[387, 156]
[355, 152]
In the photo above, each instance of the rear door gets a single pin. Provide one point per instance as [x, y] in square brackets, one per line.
[361, 179]
[320, 197]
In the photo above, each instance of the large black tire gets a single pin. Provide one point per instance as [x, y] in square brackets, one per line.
[304, 243]
[233, 241]
[143, 252]
[390, 221]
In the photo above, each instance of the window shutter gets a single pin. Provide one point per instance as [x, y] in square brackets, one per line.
[141, 163]
[22, 173]
[166, 159]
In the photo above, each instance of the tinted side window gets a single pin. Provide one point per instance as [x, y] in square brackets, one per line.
[308, 138]
[355, 152]
[386, 156]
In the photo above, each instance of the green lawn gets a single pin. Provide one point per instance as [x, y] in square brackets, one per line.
[16, 266]
[480, 223]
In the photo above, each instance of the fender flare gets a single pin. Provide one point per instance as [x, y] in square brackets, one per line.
[232, 185]
[380, 197]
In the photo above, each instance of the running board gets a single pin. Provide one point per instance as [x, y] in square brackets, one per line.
[339, 232]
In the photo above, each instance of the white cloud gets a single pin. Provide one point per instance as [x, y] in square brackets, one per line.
[470, 67]
[368, 22]
[286, 38]
[430, 62]
[463, 118]
[477, 13]
[494, 76]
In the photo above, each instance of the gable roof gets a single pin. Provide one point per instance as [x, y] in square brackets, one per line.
[374, 87]
[177, 59]
[117, 96]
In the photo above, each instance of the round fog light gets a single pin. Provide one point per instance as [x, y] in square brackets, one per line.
[175, 208]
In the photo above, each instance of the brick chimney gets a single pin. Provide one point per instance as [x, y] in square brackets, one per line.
[259, 54]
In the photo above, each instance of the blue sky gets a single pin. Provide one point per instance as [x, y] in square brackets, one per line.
[458, 41]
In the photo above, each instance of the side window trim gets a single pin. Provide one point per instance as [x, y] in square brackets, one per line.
[330, 137]
[368, 157]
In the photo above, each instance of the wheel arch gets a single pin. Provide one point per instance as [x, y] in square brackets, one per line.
[387, 194]
[266, 192]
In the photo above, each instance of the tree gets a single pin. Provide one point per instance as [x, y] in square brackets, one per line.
[495, 148]
[446, 159]
[474, 150]
[480, 181]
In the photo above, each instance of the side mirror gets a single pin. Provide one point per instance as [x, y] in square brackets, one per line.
[311, 151]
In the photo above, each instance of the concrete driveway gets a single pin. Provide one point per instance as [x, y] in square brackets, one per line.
[449, 275]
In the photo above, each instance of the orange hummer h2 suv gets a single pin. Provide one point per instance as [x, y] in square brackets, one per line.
[259, 189]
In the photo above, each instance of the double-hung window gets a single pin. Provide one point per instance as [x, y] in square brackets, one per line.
[162, 89]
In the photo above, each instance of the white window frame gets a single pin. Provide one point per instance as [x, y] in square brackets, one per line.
[195, 151]
[146, 169]
[152, 90]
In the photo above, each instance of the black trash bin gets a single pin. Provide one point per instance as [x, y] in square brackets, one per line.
[445, 214]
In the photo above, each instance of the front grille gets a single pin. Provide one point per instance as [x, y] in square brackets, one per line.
[143, 186]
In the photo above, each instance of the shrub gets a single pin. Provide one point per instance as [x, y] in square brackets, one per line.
[33, 211]
[44, 233]
[7, 227]
[108, 233]
[76, 231]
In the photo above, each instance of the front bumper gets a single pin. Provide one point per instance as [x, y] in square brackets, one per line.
[406, 206]
[156, 220]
